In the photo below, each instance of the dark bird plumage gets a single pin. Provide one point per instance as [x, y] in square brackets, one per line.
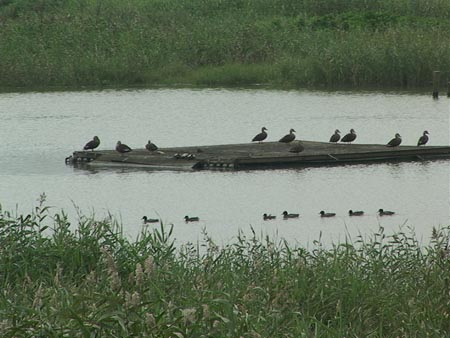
[151, 146]
[423, 139]
[327, 214]
[261, 136]
[92, 144]
[287, 215]
[350, 137]
[289, 137]
[297, 147]
[150, 220]
[268, 217]
[191, 219]
[335, 137]
[395, 142]
[122, 148]
[355, 213]
[382, 212]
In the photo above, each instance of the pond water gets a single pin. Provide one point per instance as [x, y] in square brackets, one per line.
[40, 129]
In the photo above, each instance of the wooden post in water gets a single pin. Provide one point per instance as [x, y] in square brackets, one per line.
[448, 88]
[436, 82]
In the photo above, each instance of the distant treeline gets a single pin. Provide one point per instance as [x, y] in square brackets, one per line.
[223, 42]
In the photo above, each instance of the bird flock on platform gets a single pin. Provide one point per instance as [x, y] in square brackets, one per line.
[289, 138]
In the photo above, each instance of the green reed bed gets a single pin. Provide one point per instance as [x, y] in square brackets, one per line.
[89, 280]
[216, 42]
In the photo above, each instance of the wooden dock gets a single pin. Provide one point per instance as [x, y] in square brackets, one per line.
[259, 156]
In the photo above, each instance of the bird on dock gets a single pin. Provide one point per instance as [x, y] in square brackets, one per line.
[335, 137]
[355, 213]
[122, 148]
[395, 142]
[261, 136]
[191, 219]
[327, 214]
[423, 139]
[297, 148]
[350, 137]
[287, 215]
[151, 146]
[382, 212]
[92, 144]
[289, 137]
[150, 220]
[268, 217]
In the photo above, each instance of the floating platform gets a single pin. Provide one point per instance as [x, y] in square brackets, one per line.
[259, 156]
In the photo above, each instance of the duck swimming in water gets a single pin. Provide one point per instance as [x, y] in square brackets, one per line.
[355, 213]
[268, 217]
[287, 215]
[191, 219]
[382, 212]
[335, 137]
[423, 139]
[149, 220]
[289, 137]
[261, 136]
[350, 137]
[92, 144]
[151, 146]
[395, 142]
[122, 148]
[327, 214]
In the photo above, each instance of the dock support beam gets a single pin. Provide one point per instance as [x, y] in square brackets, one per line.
[436, 83]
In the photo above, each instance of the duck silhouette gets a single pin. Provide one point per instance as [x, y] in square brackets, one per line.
[261, 136]
[191, 219]
[355, 213]
[382, 212]
[92, 144]
[289, 137]
[335, 137]
[350, 137]
[287, 215]
[268, 217]
[423, 139]
[150, 220]
[327, 214]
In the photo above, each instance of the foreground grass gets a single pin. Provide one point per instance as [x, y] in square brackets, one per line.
[215, 42]
[93, 282]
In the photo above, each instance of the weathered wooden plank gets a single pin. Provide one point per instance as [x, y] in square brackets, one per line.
[268, 154]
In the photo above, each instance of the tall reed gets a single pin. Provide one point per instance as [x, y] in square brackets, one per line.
[89, 280]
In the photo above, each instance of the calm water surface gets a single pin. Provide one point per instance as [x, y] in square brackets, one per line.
[40, 129]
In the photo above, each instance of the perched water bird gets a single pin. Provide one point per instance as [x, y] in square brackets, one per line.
[297, 147]
[268, 217]
[261, 136]
[287, 215]
[395, 142]
[423, 139]
[150, 220]
[191, 219]
[151, 146]
[355, 213]
[327, 214]
[289, 137]
[382, 212]
[92, 144]
[350, 137]
[122, 148]
[335, 137]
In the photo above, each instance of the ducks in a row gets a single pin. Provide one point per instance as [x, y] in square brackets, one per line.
[288, 138]
[322, 213]
[120, 147]
[397, 140]
[348, 138]
[187, 219]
